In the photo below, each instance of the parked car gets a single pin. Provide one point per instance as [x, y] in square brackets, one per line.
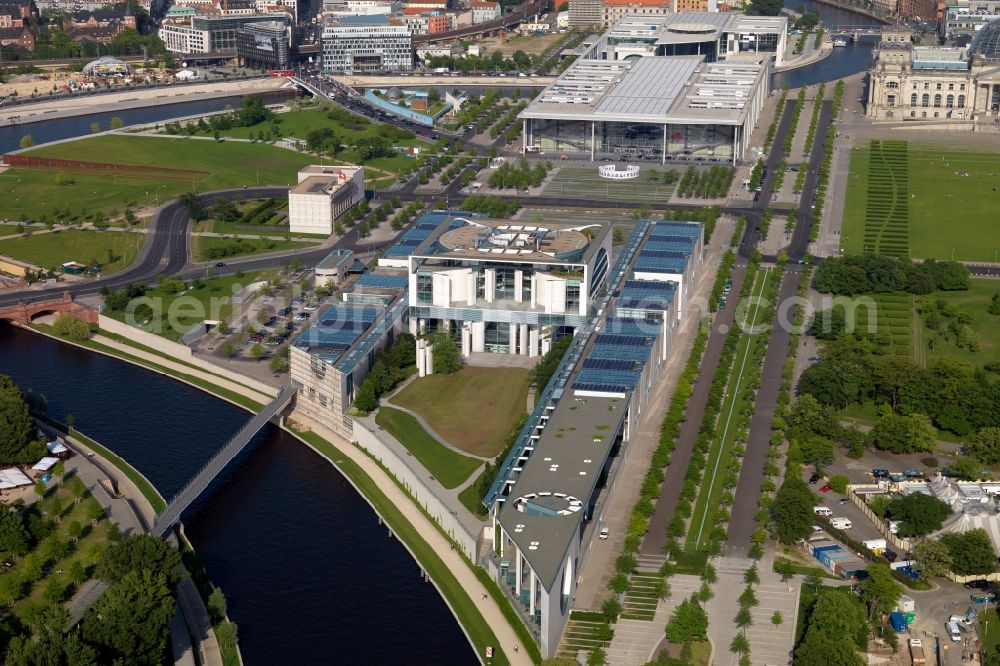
[814, 478]
[825, 489]
[880, 473]
[977, 585]
[605, 533]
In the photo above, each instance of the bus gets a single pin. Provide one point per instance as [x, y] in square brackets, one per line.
[282, 72]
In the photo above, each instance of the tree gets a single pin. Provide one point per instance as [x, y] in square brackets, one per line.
[17, 443]
[140, 552]
[687, 623]
[366, 400]
[278, 365]
[129, 621]
[751, 576]
[879, 590]
[68, 327]
[792, 510]
[933, 559]
[818, 649]
[447, 358]
[95, 127]
[776, 618]
[224, 210]
[195, 206]
[13, 536]
[257, 352]
[921, 514]
[838, 483]
[904, 433]
[597, 657]
[228, 349]
[216, 605]
[984, 445]
[739, 644]
[117, 123]
[971, 552]
[838, 614]
[27, 141]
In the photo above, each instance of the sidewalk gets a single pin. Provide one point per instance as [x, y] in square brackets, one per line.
[492, 614]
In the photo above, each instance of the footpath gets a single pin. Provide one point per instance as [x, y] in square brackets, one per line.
[133, 514]
[510, 642]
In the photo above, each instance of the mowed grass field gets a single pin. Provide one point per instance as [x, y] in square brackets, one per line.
[448, 467]
[952, 201]
[248, 246]
[894, 317]
[51, 250]
[474, 409]
[984, 325]
[33, 193]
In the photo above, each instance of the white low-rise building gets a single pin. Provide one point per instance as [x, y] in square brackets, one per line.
[323, 194]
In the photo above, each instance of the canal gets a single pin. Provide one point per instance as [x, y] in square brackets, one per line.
[310, 575]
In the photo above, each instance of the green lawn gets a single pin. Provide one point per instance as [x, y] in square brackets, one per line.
[733, 407]
[950, 214]
[34, 193]
[473, 409]
[200, 245]
[50, 250]
[179, 312]
[8, 229]
[893, 322]
[448, 467]
[470, 498]
[989, 633]
[985, 326]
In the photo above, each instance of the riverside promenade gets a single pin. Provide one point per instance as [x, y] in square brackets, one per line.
[510, 642]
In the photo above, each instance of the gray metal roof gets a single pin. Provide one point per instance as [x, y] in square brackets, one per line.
[650, 88]
[540, 515]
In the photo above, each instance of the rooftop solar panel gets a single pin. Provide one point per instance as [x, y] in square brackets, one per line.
[631, 327]
[660, 265]
[624, 340]
[379, 281]
[665, 254]
[611, 364]
[689, 229]
[669, 243]
[639, 354]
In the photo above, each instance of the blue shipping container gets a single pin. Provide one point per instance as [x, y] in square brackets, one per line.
[898, 621]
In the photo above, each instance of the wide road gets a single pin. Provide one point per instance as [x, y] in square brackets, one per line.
[656, 536]
[742, 523]
[165, 252]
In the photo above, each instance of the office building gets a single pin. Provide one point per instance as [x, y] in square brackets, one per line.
[322, 195]
[212, 34]
[264, 45]
[360, 44]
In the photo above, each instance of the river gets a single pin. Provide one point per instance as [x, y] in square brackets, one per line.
[844, 61]
[44, 131]
[310, 575]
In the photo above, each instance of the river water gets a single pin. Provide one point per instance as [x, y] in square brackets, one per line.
[844, 61]
[310, 575]
[44, 131]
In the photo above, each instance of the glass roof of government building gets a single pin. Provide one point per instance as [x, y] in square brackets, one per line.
[987, 42]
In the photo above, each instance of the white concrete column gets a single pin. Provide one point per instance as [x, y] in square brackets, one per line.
[421, 359]
[517, 571]
[533, 341]
[422, 326]
[466, 340]
[546, 345]
[593, 140]
[429, 361]
[471, 287]
[531, 597]
[512, 339]
[491, 284]
[518, 285]
[478, 336]
[413, 326]
[524, 339]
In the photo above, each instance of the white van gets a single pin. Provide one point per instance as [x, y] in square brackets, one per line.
[841, 523]
[822, 511]
[953, 631]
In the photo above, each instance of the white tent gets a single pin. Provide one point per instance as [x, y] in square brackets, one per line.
[45, 464]
[13, 478]
[55, 448]
[971, 517]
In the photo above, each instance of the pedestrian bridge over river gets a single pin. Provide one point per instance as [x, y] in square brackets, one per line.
[200, 481]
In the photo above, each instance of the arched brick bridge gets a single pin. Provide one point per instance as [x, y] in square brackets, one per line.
[23, 313]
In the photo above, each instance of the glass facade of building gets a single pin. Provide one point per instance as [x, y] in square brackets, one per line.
[637, 140]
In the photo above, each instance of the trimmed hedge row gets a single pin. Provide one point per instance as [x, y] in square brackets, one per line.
[814, 120]
[824, 169]
[773, 128]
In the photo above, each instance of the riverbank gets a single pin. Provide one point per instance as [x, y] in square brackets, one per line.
[483, 620]
[136, 98]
